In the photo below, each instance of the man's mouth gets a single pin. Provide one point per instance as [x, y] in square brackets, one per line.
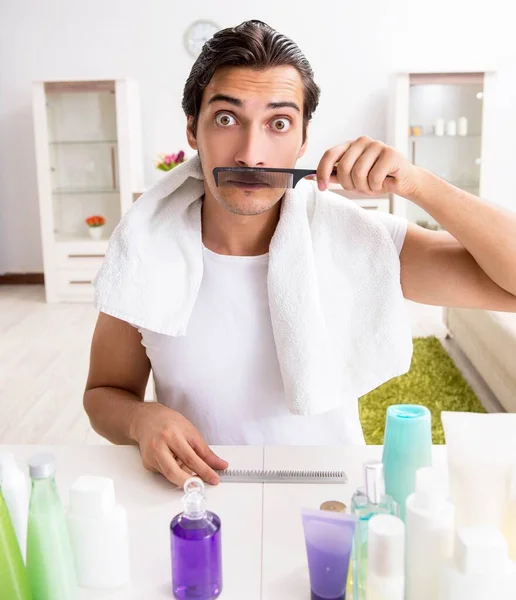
[248, 185]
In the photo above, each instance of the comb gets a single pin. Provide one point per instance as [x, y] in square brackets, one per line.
[272, 177]
[269, 176]
[282, 476]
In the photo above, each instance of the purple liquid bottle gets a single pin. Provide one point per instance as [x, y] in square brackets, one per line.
[195, 546]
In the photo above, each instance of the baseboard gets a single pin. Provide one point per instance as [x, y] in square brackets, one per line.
[22, 279]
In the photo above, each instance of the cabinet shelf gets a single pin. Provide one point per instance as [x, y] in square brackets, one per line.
[79, 192]
[441, 137]
[81, 142]
[89, 158]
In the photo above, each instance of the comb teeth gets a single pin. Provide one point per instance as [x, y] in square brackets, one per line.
[281, 476]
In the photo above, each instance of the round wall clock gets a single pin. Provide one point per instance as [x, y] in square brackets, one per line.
[197, 34]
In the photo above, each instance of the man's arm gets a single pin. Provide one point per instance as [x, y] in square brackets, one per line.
[117, 379]
[119, 371]
[437, 269]
[472, 265]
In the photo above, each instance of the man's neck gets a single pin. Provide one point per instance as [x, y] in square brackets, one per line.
[238, 235]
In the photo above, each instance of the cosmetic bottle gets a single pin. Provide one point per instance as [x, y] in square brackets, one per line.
[328, 539]
[14, 583]
[386, 564]
[15, 490]
[98, 532]
[430, 527]
[195, 544]
[50, 563]
[480, 567]
[368, 501]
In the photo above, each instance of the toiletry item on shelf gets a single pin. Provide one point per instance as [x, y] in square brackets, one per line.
[386, 564]
[368, 501]
[430, 529]
[195, 545]
[407, 447]
[480, 474]
[98, 532]
[328, 539]
[451, 127]
[439, 126]
[50, 563]
[462, 126]
[15, 489]
[480, 567]
[14, 583]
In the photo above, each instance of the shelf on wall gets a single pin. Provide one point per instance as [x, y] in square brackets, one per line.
[77, 192]
[81, 142]
[440, 137]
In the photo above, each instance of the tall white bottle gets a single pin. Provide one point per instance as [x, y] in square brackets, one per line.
[430, 531]
[15, 489]
[480, 568]
[386, 560]
[98, 532]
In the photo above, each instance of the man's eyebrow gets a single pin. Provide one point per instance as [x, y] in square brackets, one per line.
[240, 103]
[224, 98]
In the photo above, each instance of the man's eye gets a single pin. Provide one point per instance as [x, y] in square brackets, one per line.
[281, 124]
[225, 119]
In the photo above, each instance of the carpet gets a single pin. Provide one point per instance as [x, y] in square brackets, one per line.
[433, 381]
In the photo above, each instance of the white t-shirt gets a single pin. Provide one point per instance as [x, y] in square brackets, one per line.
[224, 376]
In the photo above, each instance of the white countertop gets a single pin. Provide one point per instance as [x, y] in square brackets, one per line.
[264, 554]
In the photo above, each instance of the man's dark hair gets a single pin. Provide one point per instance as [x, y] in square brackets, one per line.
[251, 44]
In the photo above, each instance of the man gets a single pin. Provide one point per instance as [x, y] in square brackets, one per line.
[248, 101]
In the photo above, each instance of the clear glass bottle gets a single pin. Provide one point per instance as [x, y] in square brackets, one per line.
[50, 562]
[368, 501]
[195, 544]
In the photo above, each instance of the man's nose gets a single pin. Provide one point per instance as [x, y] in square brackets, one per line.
[252, 148]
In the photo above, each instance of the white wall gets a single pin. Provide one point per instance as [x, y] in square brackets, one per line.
[352, 45]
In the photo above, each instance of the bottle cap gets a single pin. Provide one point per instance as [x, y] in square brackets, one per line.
[481, 549]
[42, 466]
[386, 539]
[92, 496]
[431, 493]
[193, 500]
[333, 506]
[374, 481]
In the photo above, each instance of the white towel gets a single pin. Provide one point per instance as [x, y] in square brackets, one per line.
[338, 313]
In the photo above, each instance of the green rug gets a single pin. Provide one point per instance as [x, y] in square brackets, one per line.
[433, 381]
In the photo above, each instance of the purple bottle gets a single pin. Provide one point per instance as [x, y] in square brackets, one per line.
[195, 547]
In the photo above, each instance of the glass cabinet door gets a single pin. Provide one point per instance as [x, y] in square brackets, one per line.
[445, 131]
[83, 149]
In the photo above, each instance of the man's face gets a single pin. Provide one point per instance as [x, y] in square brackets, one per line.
[249, 118]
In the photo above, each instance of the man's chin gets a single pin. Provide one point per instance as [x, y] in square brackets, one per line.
[246, 209]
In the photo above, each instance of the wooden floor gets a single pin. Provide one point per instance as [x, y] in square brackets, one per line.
[44, 357]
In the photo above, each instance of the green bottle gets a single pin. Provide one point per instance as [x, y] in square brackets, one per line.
[50, 562]
[14, 583]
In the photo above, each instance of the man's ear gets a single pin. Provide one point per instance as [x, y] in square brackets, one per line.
[302, 150]
[192, 140]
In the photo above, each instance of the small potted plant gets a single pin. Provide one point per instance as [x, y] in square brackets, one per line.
[166, 162]
[95, 225]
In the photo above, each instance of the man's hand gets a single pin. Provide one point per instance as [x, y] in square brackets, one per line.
[369, 167]
[172, 446]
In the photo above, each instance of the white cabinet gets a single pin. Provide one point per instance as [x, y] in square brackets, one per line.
[89, 162]
[438, 121]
